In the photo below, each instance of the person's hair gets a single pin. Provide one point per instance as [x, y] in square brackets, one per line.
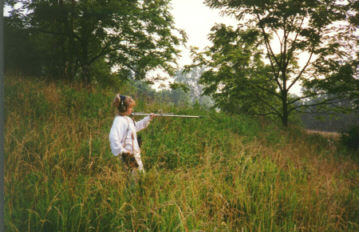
[122, 103]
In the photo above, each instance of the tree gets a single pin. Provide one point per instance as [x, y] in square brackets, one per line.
[235, 74]
[133, 35]
[19, 51]
[263, 53]
[192, 87]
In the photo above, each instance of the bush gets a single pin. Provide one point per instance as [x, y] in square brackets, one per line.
[351, 138]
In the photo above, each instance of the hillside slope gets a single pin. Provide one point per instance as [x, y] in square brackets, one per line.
[217, 173]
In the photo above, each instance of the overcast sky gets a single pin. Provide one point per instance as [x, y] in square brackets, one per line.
[196, 19]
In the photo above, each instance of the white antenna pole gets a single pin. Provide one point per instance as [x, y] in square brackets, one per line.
[166, 115]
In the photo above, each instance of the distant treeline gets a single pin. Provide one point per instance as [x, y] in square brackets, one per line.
[338, 117]
[330, 122]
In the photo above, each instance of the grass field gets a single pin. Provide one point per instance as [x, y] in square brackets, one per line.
[217, 173]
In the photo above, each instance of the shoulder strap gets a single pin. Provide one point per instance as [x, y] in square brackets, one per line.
[128, 128]
[132, 136]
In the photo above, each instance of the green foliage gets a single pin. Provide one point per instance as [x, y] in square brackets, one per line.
[341, 84]
[85, 39]
[230, 63]
[354, 18]
[351, 138]
[21, 53]
[181, 86]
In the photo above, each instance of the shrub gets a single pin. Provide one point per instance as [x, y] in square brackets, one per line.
[351, 138]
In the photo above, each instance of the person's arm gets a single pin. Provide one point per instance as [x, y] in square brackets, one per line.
[142, 124]
[117, 134]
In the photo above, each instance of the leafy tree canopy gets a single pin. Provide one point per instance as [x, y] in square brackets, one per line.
[77, 37]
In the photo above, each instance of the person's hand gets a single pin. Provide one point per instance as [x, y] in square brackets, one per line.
[152, 116]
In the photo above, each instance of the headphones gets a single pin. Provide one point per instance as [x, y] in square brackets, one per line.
[122, 107]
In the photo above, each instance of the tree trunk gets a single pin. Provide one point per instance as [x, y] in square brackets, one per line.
[285, 109]
[85, 67]
[86, 74]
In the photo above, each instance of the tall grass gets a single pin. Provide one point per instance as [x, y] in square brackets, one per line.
[217, 173]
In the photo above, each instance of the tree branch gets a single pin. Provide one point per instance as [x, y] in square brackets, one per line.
[269, 48]
[325, 102]
[300, 98]
[280, 41]
[291, 50]
[262, 88]
[267, 90]
[270, 54]
[284, 52]
[263, 114]
[101, 53]
[303, 69]
[270, 106]
[53, 32]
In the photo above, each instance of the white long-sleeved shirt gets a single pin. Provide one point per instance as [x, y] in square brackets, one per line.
[122, 131]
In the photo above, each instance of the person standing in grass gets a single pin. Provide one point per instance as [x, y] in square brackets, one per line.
[123, 134]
